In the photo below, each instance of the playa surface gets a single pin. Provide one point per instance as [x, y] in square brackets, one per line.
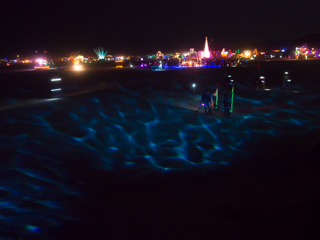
[123, 154]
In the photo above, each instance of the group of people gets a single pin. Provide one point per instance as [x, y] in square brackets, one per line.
[208, 101]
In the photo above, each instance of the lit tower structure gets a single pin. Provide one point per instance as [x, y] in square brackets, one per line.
[206, 52]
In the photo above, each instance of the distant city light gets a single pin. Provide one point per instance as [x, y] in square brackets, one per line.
[206, 52]
[55, 89]
[40, 61]
[247, 54]
[224, 53]
[194, 87]
[100, 53]
[78, 59]
[41, 65]
[77, 67]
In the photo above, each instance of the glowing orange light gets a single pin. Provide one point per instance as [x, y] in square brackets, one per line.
[41, 67]
[247, 54]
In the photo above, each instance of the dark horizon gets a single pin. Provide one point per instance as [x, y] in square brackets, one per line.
[145, 27]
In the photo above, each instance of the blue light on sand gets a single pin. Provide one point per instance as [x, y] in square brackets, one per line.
[32, 228]
[136, 133]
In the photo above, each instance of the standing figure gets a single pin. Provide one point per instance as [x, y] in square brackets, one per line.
[207, 101]
[227, 106]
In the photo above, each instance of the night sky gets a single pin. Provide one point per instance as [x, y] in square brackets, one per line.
[140, 27]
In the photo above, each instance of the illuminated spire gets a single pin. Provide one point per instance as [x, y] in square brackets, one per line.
[206, 50]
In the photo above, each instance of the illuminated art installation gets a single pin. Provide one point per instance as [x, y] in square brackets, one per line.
[160, 54]
[247, 54]
[192, 58]
[78, 59]
[224, 53]
[41, 64]
[119, 63]
[100, 53]
[304, 52]
[206, 52]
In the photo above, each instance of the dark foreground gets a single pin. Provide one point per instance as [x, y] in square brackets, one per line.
[124, 156]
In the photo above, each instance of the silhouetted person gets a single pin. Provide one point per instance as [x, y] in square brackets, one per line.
[207, 101]
[227, 106]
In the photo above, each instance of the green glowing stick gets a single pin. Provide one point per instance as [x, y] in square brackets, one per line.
[232, 99]
[217, 95]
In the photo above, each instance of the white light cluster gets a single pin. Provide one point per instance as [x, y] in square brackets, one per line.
[77, 67]
[55, 79]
